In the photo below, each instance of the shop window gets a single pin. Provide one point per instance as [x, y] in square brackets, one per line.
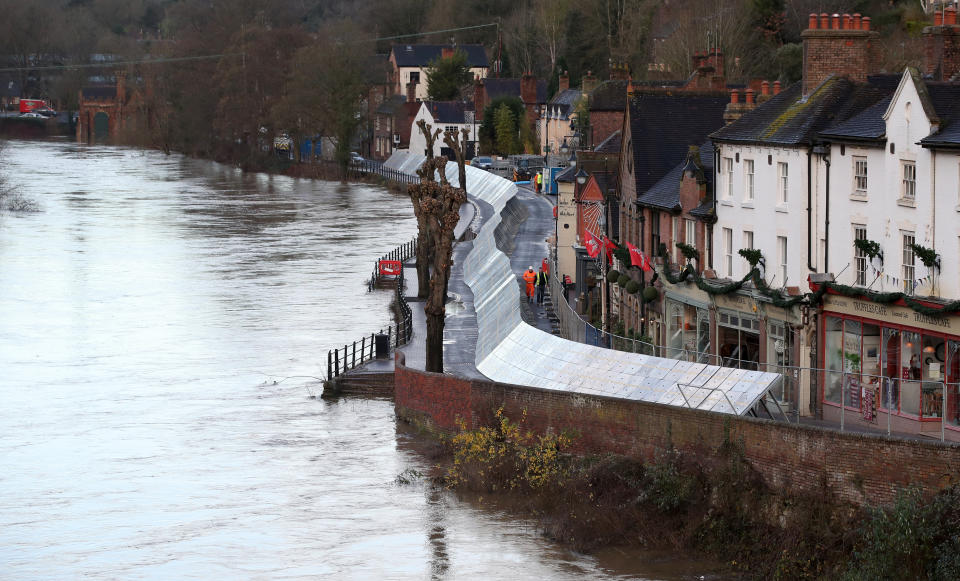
[834, 360]
[778, 356]
[688, 332]
[890, 366]
[738, 341]
[952, 356]
[910, 374]
[932, 373]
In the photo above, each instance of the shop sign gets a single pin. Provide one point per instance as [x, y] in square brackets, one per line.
[736, 302]
[891, 314]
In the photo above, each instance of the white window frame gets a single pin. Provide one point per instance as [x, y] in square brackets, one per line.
[674, 238]
[728, 169]
[749, 179]
[860, 175]
[728, 250]
[908, 181]
[690, 236]
[908, 261]
[783, 183]
[859, 257]
[782, 259]
[748, 239]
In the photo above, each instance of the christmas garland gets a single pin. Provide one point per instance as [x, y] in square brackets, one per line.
[869, 248]
[928, 256]
[689, 252]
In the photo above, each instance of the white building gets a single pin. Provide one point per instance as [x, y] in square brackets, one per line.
[410, 62]
[444, 115]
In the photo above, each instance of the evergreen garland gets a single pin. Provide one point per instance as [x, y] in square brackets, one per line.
[928, 256]
[869, 248]
[689, 252]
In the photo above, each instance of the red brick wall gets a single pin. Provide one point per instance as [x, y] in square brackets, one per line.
[858, 468]
[603, 124]
[942, 51]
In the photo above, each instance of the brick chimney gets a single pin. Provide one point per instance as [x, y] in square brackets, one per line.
[563, 82]
[479, 97]
[589, 83]
[446, 52]
[411, 92]
[942, 46]
[835, 45]
[619, 70]
[528, 95]
[737, 108]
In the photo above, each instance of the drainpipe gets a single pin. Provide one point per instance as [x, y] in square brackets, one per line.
[933, 207]
[826, 222]
[810, 266]
[824, 153]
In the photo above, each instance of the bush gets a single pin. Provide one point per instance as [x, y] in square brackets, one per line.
[650, 294]
[623, 279]
[613, 275]
[633, 287]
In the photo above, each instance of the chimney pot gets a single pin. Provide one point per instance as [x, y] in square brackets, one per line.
[846, 22]
[776, 87]
[950, 16]
[937, 18]
[865, 24]
[824, 20]
[836, 21]
[856, 21]
[734, 96]
[813, 21]
[765, 88]
[749, 96]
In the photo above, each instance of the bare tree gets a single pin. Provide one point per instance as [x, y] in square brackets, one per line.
[437, 206]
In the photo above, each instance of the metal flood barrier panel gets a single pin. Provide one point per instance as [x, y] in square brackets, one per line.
[511, 351]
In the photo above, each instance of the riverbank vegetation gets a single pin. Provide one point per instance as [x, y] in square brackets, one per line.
[715, 504]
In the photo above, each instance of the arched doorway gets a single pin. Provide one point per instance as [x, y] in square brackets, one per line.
[101, 125]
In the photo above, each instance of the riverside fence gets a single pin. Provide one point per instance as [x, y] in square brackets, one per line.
[369, 167]
[355, 354]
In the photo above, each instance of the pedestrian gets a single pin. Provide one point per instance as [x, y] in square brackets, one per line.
[538, 182]
[530, 278]
[545, 265]
[541, 285]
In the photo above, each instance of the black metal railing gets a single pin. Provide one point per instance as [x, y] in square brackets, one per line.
[367, 167]
[352, 355]
[400, 253]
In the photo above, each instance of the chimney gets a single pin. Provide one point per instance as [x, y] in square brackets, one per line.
[716, 59]
[589, 83]
[411, 92]
[839, 45]
[446, 52]
[750, 100]
[776, 88]
[528, 89]
[563, 82]
[735, 109]
[618, 70]
[941, 47]
[479, 97]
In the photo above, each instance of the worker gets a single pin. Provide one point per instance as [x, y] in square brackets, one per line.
[530, 277]
[538, 182]
[541, 285]
[545, 265]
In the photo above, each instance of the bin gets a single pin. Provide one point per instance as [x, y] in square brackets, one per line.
[382, 344]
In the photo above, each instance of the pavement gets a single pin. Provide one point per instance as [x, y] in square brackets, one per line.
[524, 240]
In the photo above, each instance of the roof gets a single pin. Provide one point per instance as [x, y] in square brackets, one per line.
[790, 119]
[446, 111]
[511, 88]
[565, 101]
[611, 144]
[945, 97]
[391, 105]
[108, 92]
[665, 194]
[9, 88]
[866, 126]
[664, 125]
[609, 96]
[420, 55]
[567, 175]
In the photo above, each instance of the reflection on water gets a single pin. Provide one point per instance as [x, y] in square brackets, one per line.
[160, 321]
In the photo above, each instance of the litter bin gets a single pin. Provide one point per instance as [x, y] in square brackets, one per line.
[382, 343]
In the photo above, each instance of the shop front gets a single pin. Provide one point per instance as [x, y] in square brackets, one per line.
[687, 329]
[890, 365]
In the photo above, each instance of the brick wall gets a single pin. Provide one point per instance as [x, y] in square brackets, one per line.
[942, 51]
[862, 469]
[845, 53]
[603, 124]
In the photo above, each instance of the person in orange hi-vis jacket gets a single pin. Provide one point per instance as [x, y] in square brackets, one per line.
[529, 277]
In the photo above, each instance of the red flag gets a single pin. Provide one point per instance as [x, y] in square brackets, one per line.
[592, 244]
[638, 258]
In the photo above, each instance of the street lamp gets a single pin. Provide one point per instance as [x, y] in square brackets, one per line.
[572, 162]
[564, 147]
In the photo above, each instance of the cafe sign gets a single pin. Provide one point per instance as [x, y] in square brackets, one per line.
[894, 314]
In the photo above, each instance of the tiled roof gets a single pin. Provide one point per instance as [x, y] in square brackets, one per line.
[609, 96]
[567, 175]
[867, 126]
[391, 105]
[446, 111]
[565, 101]
[946, 101]
[610, 144]
[420, 55]
[789, 119]
[663, 126]
[511, 88]
[665, 194]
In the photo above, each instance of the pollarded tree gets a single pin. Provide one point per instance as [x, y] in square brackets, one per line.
[437, 207]
[446, 76]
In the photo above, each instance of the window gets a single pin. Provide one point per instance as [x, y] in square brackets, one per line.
[860, 176]
[452, 128]
[674, 238]
[859, 258]
[655, 233]
[728, 170]
[908, 188]
[748, 239]
[691, 233]
[748, 178]
[728, 251]
[415, 77]
[909, 267]
[782, 259]
[782, 175]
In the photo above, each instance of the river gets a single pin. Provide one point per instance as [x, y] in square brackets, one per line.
[163, 321]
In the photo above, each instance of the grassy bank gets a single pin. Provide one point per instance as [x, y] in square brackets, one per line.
[716, 505]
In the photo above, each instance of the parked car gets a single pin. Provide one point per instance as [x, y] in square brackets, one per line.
[482, 162]
[356, 158]
[45, 112]
[32, 115]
